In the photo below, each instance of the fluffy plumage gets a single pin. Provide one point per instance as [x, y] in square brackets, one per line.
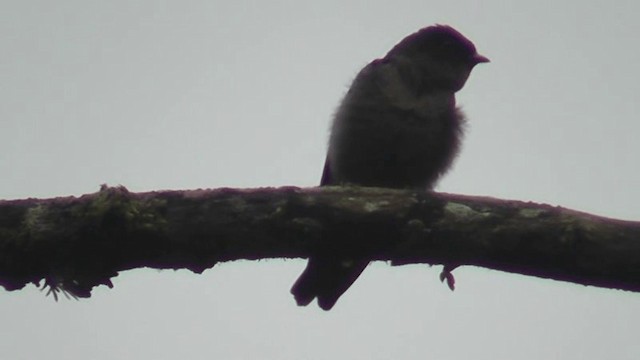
[397, 127]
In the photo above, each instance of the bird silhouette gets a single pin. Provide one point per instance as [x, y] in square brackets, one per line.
[397, 127]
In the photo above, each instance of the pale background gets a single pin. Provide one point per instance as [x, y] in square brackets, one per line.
[202, 94]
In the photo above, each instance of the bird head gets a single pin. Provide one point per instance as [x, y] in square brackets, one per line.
[438, 56]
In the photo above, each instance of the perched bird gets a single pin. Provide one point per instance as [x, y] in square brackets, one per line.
[397, 127]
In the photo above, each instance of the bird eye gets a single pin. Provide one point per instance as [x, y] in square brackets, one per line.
[445, 44]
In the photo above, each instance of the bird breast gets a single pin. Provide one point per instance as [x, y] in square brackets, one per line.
[402, 94]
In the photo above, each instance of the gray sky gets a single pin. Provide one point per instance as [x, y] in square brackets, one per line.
[202, 94]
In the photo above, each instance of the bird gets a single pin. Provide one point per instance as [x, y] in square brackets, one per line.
[398, 126]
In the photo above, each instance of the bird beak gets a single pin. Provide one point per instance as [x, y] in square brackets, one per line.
[477, 58]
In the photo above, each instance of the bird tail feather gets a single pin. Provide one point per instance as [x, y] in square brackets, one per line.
[327, 279]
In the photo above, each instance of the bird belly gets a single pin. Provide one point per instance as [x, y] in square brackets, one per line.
[401, 150]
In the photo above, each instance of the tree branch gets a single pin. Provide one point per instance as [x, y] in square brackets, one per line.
[75, 244]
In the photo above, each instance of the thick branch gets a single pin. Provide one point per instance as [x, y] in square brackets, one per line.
[78, 243]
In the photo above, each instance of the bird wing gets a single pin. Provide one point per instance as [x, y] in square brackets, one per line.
[326, 173]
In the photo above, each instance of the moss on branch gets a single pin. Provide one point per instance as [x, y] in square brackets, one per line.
[74, 244]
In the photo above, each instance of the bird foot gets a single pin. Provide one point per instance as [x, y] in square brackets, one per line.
[447, 276]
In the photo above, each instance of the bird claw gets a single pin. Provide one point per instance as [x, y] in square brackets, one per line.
[447, 276]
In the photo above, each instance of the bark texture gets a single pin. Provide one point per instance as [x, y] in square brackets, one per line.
[74, 244]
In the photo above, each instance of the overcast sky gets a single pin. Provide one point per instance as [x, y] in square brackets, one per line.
[203, 94]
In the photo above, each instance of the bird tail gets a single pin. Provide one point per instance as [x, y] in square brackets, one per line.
[326, 279]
